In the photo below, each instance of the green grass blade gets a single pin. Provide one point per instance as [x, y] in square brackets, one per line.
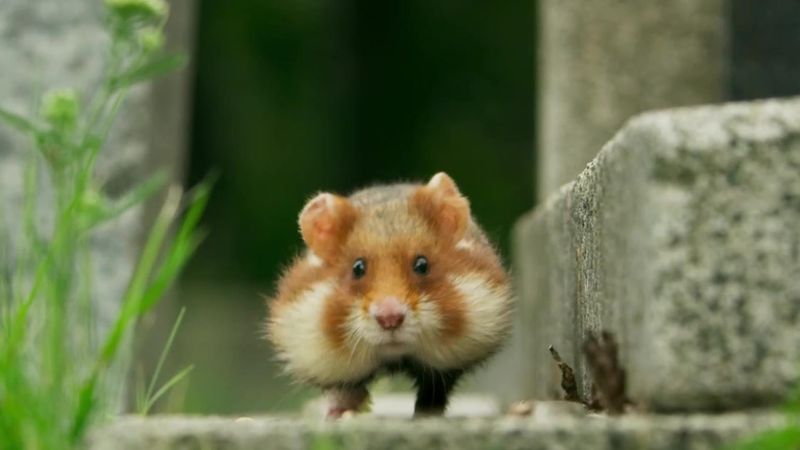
[185, 243]
[168, 271]
[167, 386]
[139, 193]
[141, 295]
[128, 313]
[19, 122]
[198, 199]
[132, 198]
[147, 261]
[173, 332]
[86, 402]
[157, 66]
[19, 324]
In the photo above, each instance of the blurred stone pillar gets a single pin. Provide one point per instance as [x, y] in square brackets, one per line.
[170, 98]
[62, 43]
[601, 62]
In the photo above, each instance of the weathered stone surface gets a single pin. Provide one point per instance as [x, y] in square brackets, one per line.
[401, 405]
[601, 62]
[535, 432]
[682, 239]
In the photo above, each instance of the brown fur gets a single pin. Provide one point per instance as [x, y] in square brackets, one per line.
[337, 308]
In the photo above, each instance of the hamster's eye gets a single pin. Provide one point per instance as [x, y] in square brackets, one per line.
[421, 265]
[359, 268]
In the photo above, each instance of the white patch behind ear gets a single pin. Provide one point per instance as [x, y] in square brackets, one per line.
[465, 244]
[329, 201]
[436, 180]
[314, 260]
[444, 185]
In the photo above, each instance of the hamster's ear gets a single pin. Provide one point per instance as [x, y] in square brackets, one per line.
[443, 206]
[325, 222]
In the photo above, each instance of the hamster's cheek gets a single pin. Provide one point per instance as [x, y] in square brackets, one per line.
[474, 320]
[488, 314]
[440, 313]
[440, 320]
[311, 343]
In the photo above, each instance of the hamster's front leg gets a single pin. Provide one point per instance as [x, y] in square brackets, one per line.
[345, 398]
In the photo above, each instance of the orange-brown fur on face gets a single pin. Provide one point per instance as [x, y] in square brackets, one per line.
[457, 313]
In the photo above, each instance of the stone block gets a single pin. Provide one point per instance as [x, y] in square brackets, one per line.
[682, 238]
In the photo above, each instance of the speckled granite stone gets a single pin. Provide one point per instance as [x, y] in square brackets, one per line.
[683, 239]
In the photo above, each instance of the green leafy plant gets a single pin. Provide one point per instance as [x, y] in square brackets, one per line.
[55, 366]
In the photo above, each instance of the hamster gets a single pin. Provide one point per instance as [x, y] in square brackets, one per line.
[395, 278]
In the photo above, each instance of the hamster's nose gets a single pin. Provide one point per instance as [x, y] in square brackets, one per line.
[389, 312]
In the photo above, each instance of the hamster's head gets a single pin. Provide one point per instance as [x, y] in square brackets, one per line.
[411, 274]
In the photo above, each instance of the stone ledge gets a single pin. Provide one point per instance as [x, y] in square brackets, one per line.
[682, 239]
[548, 432]
[401, 405]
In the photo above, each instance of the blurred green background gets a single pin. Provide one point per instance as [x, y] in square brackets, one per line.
[296, 96]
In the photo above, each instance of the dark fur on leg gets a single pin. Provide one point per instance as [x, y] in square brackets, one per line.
[433, 386]
[433, 390]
